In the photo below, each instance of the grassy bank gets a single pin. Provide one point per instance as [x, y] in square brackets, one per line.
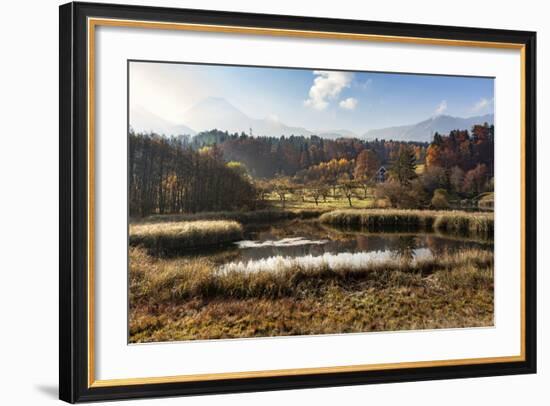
[466, 224]
[183, 279]
[462, 223]
[189, 298]
[166, 238]
[256, 216]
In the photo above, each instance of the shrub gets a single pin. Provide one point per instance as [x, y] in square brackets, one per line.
[440, 199]
[399, 196]
[487, 201]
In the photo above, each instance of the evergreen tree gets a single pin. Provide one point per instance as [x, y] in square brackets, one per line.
[403, 168]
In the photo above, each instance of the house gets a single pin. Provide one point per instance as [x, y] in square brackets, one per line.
[381, 175]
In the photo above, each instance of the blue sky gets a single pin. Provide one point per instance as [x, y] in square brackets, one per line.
[314, 99]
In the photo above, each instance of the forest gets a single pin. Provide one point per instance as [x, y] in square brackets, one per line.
[218, 171]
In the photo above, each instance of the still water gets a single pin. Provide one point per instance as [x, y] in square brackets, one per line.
[308, 243]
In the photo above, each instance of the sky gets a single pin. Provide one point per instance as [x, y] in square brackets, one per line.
[313, 99]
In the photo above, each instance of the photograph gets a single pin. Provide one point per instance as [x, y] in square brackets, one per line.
[254, 201]
[271, 201]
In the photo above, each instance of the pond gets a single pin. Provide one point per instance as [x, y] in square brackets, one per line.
[309, 243]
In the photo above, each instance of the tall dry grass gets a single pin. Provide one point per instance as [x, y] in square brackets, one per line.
[166, 238]
[198, 278]
[465, 224]
[462, 223]
[256, 216]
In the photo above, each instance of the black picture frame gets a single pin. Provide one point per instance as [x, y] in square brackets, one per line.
[73, 256]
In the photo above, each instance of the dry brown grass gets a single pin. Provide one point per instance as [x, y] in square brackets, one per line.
[166, 238]
[252, 216]
[471, 224]
[186, 298]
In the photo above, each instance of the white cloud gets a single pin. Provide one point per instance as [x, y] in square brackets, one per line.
[481, 104]
[441, 108]
[327, 86]
[349, 104]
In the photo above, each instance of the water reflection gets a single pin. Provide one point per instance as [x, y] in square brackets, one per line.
[295, 239]
[405, 248]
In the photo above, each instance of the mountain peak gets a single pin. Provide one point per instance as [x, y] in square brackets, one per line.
[142, 120]
[424, 130]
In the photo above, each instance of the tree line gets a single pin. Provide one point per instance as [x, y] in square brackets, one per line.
[269, 157]
[216, 170]
[456, 166]
[166, 175]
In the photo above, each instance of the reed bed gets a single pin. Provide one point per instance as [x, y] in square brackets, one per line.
[461, 223]
[199, 278]
[189, 299]
[256, 216]
[381, 220]
[167, 238]
[465, 224]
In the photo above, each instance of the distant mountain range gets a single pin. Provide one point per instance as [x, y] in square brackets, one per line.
[214, 112]
[424, 130]
[143, 120]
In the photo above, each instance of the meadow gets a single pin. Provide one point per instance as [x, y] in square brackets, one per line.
[192, 298]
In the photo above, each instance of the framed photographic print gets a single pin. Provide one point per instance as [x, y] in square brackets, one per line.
[258, 202]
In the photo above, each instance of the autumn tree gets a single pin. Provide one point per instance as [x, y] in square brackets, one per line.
[316, 191]
[263, 188]
[366, 166]
[403, 168]
[281, 186]
[239, 168]
[476, 179]
[166, 175]
[347, 184]
[457, 179]
[440, 199]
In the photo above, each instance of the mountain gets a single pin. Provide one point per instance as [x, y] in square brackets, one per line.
[424, 130]
[143, 120]
[216, 112]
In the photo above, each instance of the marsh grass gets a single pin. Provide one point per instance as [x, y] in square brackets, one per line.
[197, 296]
[465, 224]
[187, 298]
[460, 223]
[255, 216]
[194, 278]
[381, 220]
[167, 238]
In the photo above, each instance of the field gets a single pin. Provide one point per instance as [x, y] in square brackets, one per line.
[189, 298]
[331, 202]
